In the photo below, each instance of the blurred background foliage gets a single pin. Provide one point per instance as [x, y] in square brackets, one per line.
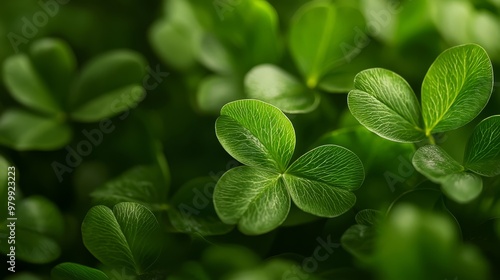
[208, 49]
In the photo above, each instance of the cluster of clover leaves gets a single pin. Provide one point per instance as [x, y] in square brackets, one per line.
[455, 90]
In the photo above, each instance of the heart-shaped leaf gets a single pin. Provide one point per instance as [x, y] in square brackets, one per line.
[143, 184]
[273, 85]
[482, 154]
[192, 209]
[322, 180]
[107, 74]
[128, 236]
[38, 228]
[44, 133]
[435, 163]
[317, 32]
[73, 271]
[256, 199]
[456, 88]
[256, 134]
[384, 102]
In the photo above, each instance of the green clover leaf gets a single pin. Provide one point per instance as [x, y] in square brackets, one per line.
[258, 196]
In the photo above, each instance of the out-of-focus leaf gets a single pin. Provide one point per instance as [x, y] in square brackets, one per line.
[22, 130]
[214, 55]
[174, 43]
[110, 104]
[105, 75]
[55, 63]
[317, 34]
[38, 228]
[26, 85]
[431, 245]
[216, 91]
[359, 241]
[273, 85]
[463, 186]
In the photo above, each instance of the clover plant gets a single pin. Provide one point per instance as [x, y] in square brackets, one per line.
[455, 90]
[257, 196]
[232, 152]
[45, 82]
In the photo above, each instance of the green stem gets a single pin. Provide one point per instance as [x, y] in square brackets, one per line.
[431, 139]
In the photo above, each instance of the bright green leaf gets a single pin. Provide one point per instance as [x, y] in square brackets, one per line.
[456, 88]
[256, 134]
[255, 199]
[482, 154]
[73, 271]
[193, 209]
[462, 187]
[39, 226]
[26, 85]
[22, 130]
[143, 184]
[384, 103]
[126, 237]
[435, 163]
[55, 62]
[322, 180]
[273, 85]
[319, 33]
[106, 74]
[215, 91]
